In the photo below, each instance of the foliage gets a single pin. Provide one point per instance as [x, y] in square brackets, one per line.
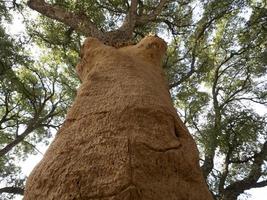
[34, 97]
[216, 66]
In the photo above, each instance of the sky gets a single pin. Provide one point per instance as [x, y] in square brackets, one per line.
[16, 28]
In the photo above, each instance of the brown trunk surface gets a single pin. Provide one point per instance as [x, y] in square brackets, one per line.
[122, 138]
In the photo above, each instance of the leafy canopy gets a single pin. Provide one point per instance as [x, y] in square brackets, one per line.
[216, 66]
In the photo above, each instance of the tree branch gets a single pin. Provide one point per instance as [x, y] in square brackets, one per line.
[12, 190]
[15, 142]
[260, 184]
[34, 123]
[130, 19]
[144, 19]
[256, 171]
[236, 161]
[199, 33]
[209, 157]
[234, 93]
[225, 170]
[34, 147]
[79, 22]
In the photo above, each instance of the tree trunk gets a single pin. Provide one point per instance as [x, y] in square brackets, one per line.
[122, 138]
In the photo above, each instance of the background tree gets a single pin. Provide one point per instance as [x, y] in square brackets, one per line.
[216, 65]
[33, 100]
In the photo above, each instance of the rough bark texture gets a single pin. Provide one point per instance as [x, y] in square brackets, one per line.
[122, 138]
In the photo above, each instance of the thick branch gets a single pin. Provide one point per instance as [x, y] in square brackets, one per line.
[33, 124]
[79, 22]
[209, 157]
[15, 142]
[208, 164]
[82, 24]
[256, 171]
[12, 190]
[260, 184]
[226, 169]
[131, 16]
[129, 21]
